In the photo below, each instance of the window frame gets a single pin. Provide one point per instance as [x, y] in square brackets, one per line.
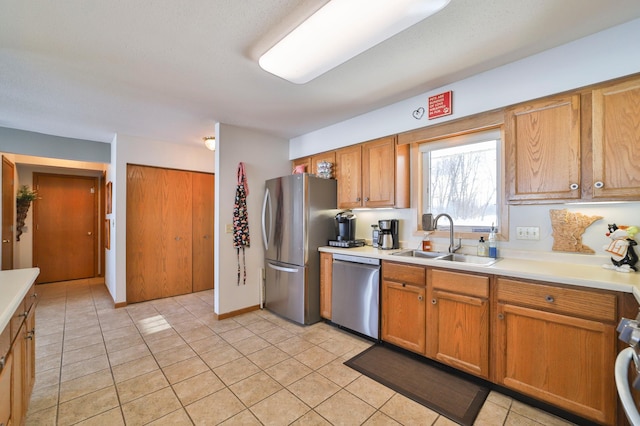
[462, 127]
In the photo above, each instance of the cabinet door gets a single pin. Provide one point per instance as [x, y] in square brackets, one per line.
[349, 176]
[326, 273]
[458, 321]
[29, 356]
[17, 378]
[5, 389]
[378, 173]
[543, 149]
[203, 232]
[562, 360]
[616, 141]
[403, 315]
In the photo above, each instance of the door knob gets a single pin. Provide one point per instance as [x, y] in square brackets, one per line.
[5, 241]
[89, 233]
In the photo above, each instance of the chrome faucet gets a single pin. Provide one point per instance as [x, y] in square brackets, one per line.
[452, 248]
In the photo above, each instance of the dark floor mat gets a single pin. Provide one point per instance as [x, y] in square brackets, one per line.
[454, 397]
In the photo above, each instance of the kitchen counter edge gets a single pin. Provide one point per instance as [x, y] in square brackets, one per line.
[592, 276]
[14, 286]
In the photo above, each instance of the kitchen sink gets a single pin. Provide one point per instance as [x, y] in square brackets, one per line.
[448, 257]
[468, 258]
[420, 253]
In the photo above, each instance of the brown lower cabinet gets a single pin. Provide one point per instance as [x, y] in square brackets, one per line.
[17, 369]
[326, 278]
[169, 232]
[552, 342]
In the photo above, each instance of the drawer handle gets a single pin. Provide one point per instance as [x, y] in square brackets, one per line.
[549, 299]
[24, 314]
[29, 335]
[3, 361]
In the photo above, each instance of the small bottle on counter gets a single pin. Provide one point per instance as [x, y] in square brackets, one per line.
[493, 244]
[482, 247]
[426, 242]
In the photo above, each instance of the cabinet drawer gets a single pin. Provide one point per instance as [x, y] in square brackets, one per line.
[404, 273]
[456, 282]
[583, 303]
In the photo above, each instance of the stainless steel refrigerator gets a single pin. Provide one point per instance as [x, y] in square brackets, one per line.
[297, 217]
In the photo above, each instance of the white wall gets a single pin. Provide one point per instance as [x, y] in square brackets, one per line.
[135, 150]
[603, 56]
[264, 157]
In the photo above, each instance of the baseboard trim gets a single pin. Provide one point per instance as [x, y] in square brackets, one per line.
[236, 313]
[120, 305]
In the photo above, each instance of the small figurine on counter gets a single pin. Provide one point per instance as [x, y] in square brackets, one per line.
[623, 256]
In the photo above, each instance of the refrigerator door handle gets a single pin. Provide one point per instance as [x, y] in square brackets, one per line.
[267, 199]
[281, 268]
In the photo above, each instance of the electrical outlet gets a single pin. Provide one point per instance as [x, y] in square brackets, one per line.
[229, 228]
[527, 232]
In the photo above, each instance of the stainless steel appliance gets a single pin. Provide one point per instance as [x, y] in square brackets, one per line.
[355, 294]
[297, 217]
[388, 236]
[630, 333]
[346, 231]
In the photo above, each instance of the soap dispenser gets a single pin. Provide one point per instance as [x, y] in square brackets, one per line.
[482, 247]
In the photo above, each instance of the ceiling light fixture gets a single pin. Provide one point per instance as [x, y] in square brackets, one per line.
[340, 30]
[210, 142]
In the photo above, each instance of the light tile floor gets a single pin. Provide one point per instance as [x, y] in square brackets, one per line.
[169, 362]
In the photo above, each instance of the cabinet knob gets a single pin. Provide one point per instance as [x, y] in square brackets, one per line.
[178, 238]
[434, 301]
[357, 198]
[549, 298]
[574, 186]
[500, 316]
[598, 185]
[366, 198]
[24, 314]
[420, 298]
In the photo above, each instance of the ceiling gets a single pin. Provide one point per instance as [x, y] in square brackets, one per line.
[170, 69]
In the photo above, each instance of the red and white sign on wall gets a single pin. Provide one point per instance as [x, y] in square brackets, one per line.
[440, 105]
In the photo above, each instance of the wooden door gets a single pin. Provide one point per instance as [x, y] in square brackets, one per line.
[178, 226]
[543, 149]
[326, 279]
[65, 227]
[203, 231]
[458, 321]
[616, 141]
[8, 197]
[378, 173]
[349, 176]
[145, 236]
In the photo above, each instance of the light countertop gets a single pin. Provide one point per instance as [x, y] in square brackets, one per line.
[14, 285]
[585, 275]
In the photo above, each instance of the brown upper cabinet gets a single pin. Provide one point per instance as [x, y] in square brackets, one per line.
[583, 145]
[373, 174]
[311, 163]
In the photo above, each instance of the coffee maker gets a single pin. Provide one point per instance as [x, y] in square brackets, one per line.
[346, 231]
[388, 238]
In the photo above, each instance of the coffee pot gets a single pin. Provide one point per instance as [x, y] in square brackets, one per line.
[388, 237]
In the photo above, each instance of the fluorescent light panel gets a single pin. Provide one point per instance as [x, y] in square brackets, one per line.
[340, 30]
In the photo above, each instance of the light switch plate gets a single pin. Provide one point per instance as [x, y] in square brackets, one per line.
[527, 232]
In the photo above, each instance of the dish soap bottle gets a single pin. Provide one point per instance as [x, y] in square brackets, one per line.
[482, 247]
[426, 242]
[493, 244]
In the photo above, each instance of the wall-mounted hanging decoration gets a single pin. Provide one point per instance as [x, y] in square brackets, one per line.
[23, 202]
[241, 220]
[568, 228]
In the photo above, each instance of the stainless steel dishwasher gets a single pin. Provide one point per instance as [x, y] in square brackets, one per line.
[355, 294]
